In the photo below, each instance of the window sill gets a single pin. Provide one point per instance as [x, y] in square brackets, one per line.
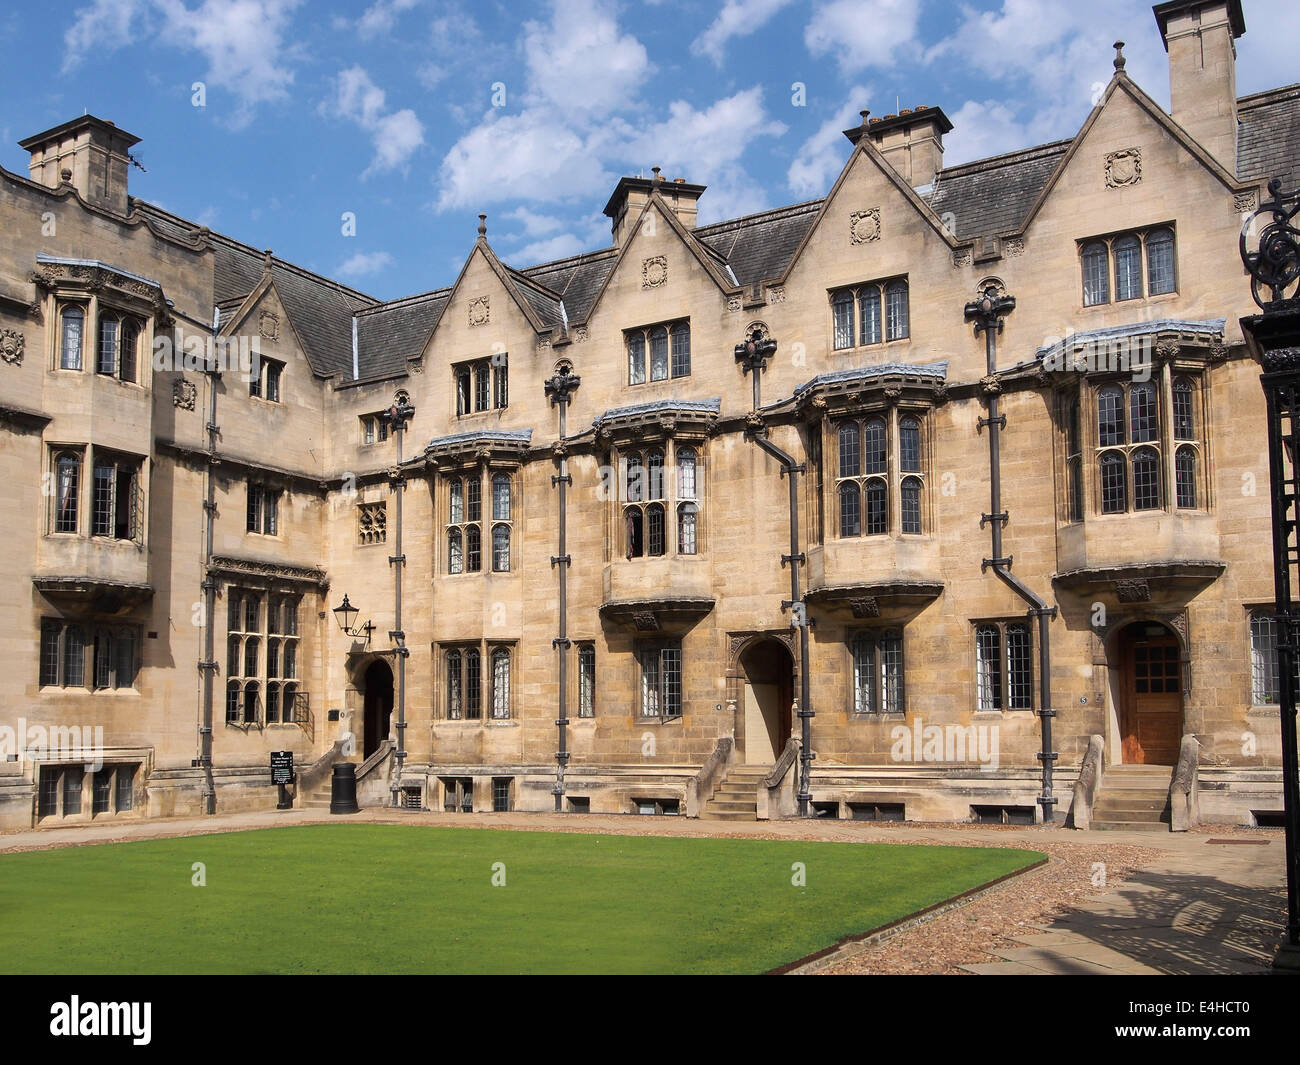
[879, 345]
[659, 720]
[873, 716]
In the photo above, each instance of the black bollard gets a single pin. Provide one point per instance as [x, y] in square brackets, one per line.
[343, 789]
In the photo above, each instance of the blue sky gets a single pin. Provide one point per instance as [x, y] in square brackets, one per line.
[414, 115]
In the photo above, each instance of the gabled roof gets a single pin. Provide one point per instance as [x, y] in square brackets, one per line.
[990, 197]
[392, 333]
[760, 246]
[576, 279]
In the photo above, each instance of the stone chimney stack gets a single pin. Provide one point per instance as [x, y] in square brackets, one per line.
[911, 141]
[631, 194]
[94, 152]
[1199, 36]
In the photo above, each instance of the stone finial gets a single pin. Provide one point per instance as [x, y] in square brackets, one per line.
[1119, 55]
[865, 115]
[658, 178]
[266, 260]
[482, 225]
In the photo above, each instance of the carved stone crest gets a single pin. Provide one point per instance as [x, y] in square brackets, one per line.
[12, 343]
[1244, 202]
[654, 271]
[961, 257]
[864, 226]
[733, 303]
[1123, 168]
[868, 606]
[1133, 591]
[184, 394]
[268, 324]
[1167, 349]
[479, 311]
[776, 294]
[1013, 246]
[580, 335]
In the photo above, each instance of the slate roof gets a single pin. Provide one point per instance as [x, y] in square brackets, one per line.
[986, 197]
[1268, 136]
[885, 369]
[708, 406]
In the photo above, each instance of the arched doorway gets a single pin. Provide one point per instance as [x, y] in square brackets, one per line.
[768, 671]
[1150, 704]
[378, 703]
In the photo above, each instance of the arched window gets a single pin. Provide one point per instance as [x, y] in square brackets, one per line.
[850, 453]
[1184, 410]
[873, 450]
[1096, 275]
[988, 667]
[252, 693]
[455, 552]
[896, 318]
[456, 502]
[501, 497]
[850, 510]
[455, 701]
[635, 478]
[636, 358]
[1114, 487]
[655, 528]
[473, 549]
[1146, 479]
[842, 313]
[655, 474]
[686, 517]
[1110, 416]
[681, 350]
[1142, 413]
[67, 485]
[586, 681]
[909, 445]
[501, 548]
[1185, 477]
[686, 473]
[473, 685]
[1161, 276]
[869, 314]
[877, 507]
[635, 532]
[911, 502]
[500, 683]
[109, 327]
[73, 323]
[1128, 268]
[659, 354]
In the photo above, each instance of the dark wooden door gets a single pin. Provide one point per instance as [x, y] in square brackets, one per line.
[1153, 712]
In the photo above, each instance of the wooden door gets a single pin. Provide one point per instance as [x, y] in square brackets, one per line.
[1153, 711]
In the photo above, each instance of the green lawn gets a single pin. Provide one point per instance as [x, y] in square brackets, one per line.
[409, 899]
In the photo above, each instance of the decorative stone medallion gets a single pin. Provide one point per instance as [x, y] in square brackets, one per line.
[654, 271]
[184, 394]
[1013, 246]
[733, 303]
[1243, 202]
[864, 226]
[961, 257]
[1123, 168]
[12, 343]
[865, 607]
[479, 311]
[776, 294]
[268, 324]
[580, 335]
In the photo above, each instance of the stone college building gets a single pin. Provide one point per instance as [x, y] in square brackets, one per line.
[944, 497]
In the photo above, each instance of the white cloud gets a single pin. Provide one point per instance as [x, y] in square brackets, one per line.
[580, 62]
[989, 127]
[738, 18]
[864, 33]
[545, 251]
[535, 225]
[395, 135]
[381, 16]
[710, 147]
[364, 263]
[243, 42]
[822, 156]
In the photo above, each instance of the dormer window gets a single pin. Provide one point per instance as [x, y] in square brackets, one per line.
[482, 385]
[1143, 265]
[265, 380]
[374, 428]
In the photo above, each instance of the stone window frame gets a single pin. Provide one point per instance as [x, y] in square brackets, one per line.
[58, 513]
[1171, 444]
[1146, 238]
[59, 775]
[267, 381]
[118, 463]
[481, 385]
[374, 428]
[877, 636]
[677, 351]
[984, 694]
[118, 369]
[674, 502]
[893, 325]
[669, 703]
[585, 650]
[267, 694]
[98, 658]
[372, 523]
[1264, 661]
[262, 510]
[460, 531]
[894, 476]
[456, 687]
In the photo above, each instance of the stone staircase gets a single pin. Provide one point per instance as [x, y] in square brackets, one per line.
[1134, 798]
[736, 798]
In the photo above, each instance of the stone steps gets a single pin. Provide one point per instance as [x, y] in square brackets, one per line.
[736, 798]
[1134, 798]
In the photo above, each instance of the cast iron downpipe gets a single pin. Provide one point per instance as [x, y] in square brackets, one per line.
[753, 354]
[559, 389]
[399, 414]
[208, 665]
[987, 313]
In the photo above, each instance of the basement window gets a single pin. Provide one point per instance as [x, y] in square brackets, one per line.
[657, 807]
[826, 809]
[501, 794]
[458, 795]
[579, 804]
[1002, 815]
[877, 811]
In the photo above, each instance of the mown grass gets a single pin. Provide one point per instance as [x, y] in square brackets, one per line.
[411, 899]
